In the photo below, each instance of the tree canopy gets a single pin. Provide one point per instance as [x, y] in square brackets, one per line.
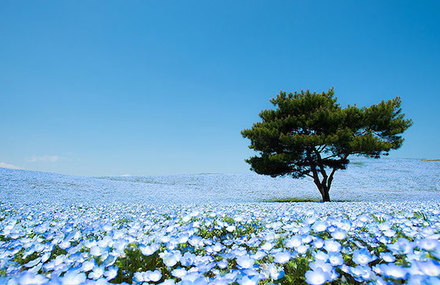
[309, 134]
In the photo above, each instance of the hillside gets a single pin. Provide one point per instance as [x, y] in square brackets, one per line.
[385, 179]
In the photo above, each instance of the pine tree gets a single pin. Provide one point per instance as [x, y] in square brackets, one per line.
[309, 134]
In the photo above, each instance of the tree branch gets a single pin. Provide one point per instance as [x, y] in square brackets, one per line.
[330, 156]
[321, 148]
[330, 179]
[321, 166]
[314, 171]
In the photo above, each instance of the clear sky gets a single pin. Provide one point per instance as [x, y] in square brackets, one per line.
[162, 87]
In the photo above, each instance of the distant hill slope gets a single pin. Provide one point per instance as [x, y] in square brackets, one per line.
[365, 180]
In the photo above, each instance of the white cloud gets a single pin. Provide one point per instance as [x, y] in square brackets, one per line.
[126, 175]
[10, 166]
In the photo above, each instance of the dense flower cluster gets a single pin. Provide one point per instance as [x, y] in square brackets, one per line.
[364, 180]
[250, 243]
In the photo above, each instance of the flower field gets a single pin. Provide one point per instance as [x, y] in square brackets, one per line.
[45, 240]
[211, 244]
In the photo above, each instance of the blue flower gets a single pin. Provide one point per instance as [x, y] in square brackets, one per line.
[282, 257]
[339, 234]
[361, 273]
[335, 258]
[332, 245]
[430, 268]
[393, 271]
[387, 257]
[245, 262]
[428, 244]
[362, 257]
[317, 276]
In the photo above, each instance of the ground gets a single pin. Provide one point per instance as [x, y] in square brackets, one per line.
[220, 229]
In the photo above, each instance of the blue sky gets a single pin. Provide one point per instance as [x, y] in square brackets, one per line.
[162, 87]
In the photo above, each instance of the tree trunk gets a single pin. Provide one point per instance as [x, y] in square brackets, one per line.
[322, 185]
[324, 190]
[325, 195]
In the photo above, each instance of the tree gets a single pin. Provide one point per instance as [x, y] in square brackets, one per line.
[309, 134]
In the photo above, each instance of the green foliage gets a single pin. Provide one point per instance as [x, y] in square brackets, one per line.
[421, 215]
[295, 271]
[308, 134]
[21, 259]
[242, 229]
[379, 220]
[134, 261]
[57, 251]
[4, 238]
